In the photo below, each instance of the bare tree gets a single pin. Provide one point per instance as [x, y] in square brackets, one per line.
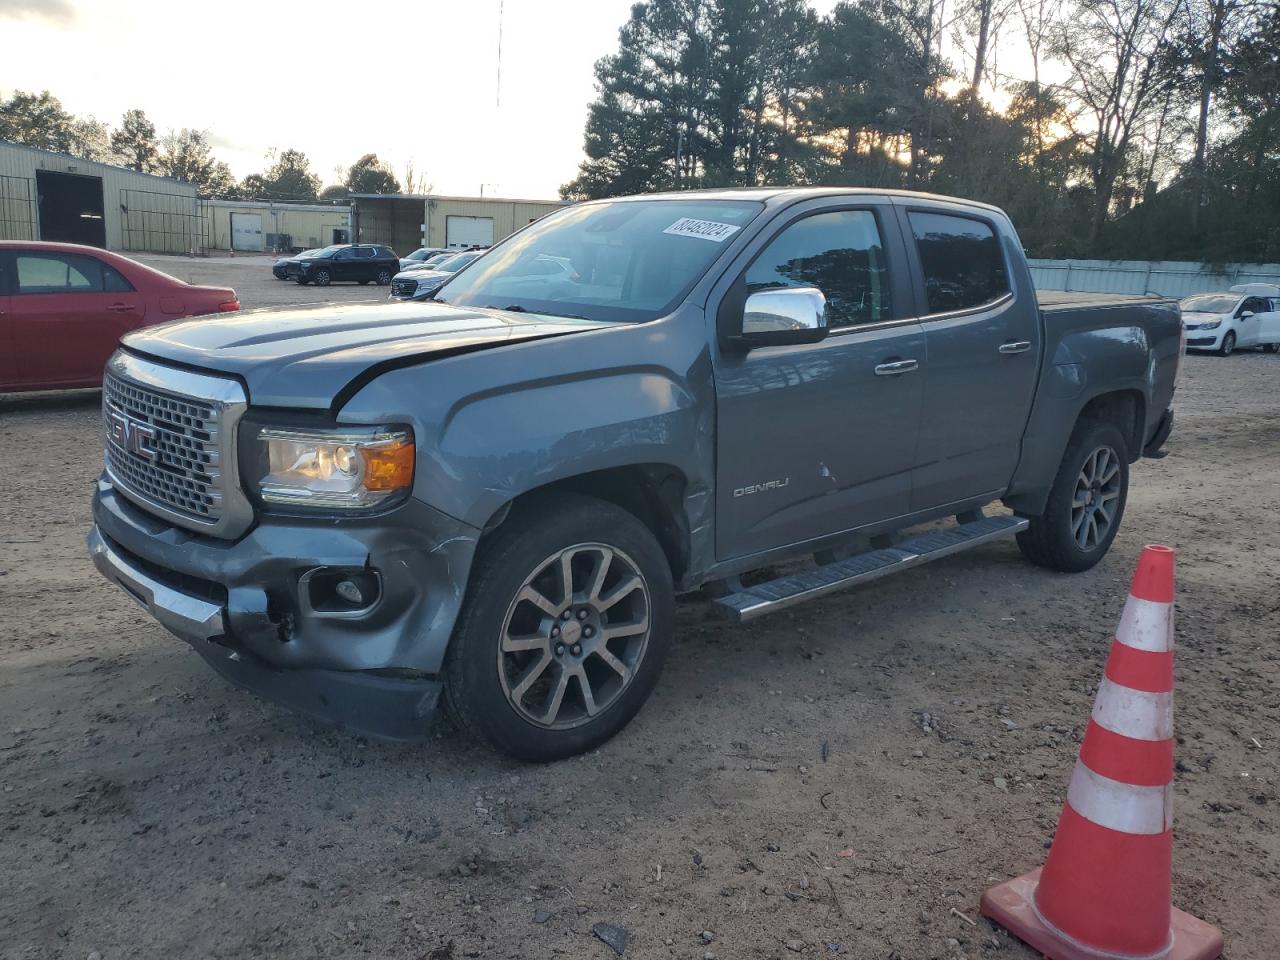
[1114, 49]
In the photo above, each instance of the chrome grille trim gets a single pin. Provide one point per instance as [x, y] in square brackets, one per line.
[190, 478]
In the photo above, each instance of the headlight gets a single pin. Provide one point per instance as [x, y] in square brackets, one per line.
[345, 468]
[1211, 325]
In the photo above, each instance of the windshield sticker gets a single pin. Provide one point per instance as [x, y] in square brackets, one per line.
[702, 229]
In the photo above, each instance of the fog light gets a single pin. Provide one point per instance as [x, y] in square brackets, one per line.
[349, 592]
[340, 591]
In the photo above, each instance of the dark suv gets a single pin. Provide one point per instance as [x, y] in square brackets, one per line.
[360, 263]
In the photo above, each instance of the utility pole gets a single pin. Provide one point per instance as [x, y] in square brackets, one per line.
[498, 102]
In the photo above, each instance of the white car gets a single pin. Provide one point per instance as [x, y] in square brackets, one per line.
[420, 284]
[1247, 316]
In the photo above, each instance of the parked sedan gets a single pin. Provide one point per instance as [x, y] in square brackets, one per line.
[421, 256]
[1246, 316]
[355, 263]
[420, 284]
[280, 269]
[64, 307]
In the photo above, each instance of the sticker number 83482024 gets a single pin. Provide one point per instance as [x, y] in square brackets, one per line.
[702, 229]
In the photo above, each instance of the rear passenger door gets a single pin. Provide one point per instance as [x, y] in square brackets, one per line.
[983, 342]
[1269, 322]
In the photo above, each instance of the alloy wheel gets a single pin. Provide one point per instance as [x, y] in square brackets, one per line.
[574, 636]
[1096, 498]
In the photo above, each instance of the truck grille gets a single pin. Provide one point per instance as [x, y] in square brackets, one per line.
[170, 443]
[404, 289]
[180, 466]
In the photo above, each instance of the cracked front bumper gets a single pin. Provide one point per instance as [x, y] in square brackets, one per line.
[243, 605]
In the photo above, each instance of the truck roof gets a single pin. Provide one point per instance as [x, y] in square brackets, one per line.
[792, 194]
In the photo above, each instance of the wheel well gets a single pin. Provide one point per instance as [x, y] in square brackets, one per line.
[653, 493]
[1127, 410]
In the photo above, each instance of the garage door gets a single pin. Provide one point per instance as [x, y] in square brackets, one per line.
[246, 231]
[462, 232]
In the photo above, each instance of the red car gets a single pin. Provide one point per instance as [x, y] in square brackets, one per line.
[64, 307]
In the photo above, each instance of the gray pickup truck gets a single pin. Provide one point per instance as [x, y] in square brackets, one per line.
[493, 497]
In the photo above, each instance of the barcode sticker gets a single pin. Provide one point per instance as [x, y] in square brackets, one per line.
[702, 229]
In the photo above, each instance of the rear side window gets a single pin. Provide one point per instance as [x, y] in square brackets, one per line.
[114, 282]
[841, 254]
[57, 273]
[364, 253]
[962, 263]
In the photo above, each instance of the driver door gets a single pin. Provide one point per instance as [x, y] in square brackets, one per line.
[815, 439]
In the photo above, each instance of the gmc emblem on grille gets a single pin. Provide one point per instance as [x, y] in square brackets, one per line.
[131, 435]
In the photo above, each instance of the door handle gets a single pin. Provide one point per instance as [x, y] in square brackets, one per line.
[120, 307]
[896, 367]
[1015, 346]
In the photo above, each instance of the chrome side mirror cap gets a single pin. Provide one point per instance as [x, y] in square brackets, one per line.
[784, 315]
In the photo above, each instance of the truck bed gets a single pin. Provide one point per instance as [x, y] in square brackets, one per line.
[1056, 301]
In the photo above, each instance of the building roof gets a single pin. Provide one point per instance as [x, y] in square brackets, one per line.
[304, 206]
[440, 196]
[96, 163]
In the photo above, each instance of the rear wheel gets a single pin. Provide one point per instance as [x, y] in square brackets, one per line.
[384, 277]
[1086, 503]
[567, 620]
[1228, 344]
[1271, 347]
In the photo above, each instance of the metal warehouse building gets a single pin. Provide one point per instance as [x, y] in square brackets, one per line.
[52, 196]
[408, 221]
[258, 225]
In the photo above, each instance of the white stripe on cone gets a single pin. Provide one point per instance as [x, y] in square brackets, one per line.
[1146, 625]
[1136, 714]
[1120, 806]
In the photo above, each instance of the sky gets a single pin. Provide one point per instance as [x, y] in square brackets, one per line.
[415, 81]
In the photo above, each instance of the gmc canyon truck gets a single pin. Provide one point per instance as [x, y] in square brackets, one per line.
[493, 497]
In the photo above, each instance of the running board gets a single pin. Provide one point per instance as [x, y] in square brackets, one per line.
[748, 603]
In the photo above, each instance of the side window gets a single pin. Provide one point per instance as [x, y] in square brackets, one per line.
[841, 254]
[57, 273]
[1252, 305]
[114, 282]
[344, 254]
[962, 262]
[364, 253]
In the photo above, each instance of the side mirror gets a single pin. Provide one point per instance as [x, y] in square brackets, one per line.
[1246, 314]
[781, 316]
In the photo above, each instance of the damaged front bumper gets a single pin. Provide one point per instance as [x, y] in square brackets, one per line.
[262, 610]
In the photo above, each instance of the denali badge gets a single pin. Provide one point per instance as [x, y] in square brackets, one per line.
[130, 434]
[761, 487]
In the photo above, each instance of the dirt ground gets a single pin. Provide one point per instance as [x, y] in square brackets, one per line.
[843, 779]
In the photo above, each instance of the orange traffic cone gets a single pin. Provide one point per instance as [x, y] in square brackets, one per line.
[1104, 892]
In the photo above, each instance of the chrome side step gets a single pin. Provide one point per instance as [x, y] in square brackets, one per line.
[748, 603]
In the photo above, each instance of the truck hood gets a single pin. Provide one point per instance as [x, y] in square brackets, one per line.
[307, 356]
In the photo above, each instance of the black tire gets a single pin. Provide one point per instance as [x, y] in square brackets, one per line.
[363, 283]
[476, 669]
[1228, 346]
[322, 278]
[384, 277]
[1051, 541]
[302, 281]
[1270, 347]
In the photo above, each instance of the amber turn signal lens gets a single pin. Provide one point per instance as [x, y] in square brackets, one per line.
[388, 466]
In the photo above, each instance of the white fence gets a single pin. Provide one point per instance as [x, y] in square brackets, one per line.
[1168, 278]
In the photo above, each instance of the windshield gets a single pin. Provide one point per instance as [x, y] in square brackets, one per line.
[419, 254]
[438, 259]
[455, 262]
[308, 254]
[330, 251]
[625, 261]
[1210, 303]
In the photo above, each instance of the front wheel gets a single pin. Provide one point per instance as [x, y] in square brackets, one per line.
[1228, 346]
[561, 638]
[1085, 505]
[322, 278]
[1270, 347]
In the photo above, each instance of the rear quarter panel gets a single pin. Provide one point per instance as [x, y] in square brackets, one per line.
[1091, 350]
